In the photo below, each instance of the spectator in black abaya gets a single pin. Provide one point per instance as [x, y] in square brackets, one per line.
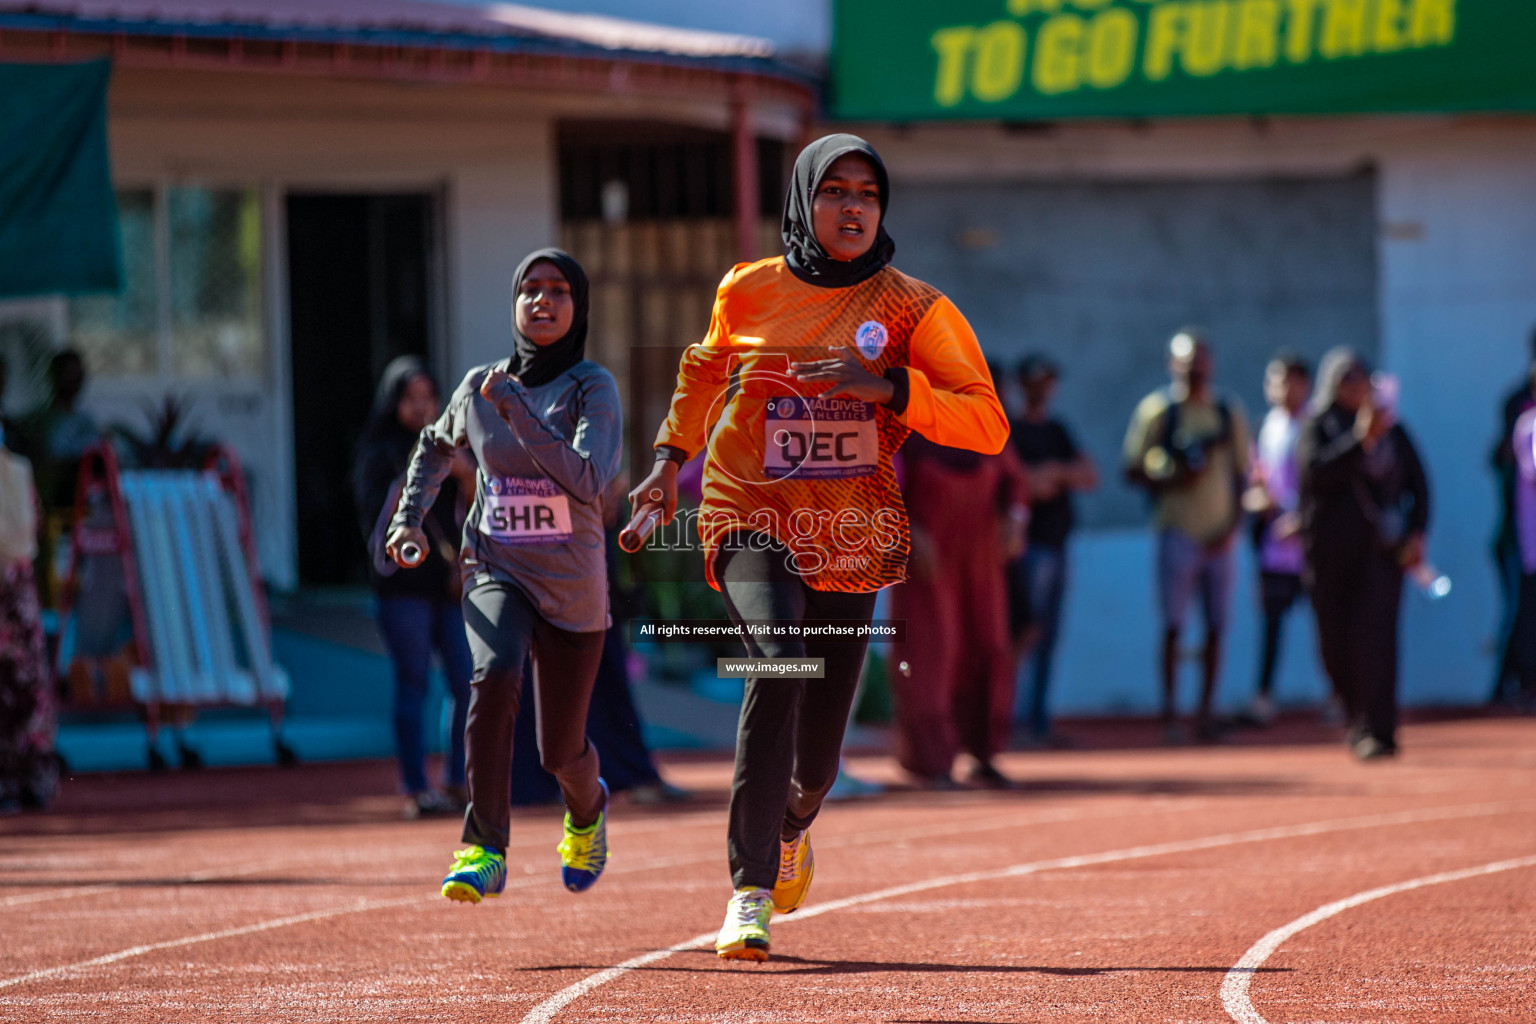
[1506, 544]
[418, 610]
[1520, 646]
[1364, 510]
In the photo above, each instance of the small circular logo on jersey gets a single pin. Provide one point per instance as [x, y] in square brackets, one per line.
[786, 408]
[870, 339]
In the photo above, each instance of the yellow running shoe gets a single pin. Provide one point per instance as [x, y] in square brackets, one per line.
[744, 936]
[478, 872]
[584, 851]
[797, 864]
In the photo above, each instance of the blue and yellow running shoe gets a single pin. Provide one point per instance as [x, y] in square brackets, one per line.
[797, 865]
[744, 936]
[584, 851]
[477, 872]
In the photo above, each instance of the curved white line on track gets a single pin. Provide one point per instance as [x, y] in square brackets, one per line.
[1234, 988]
[545, 1011]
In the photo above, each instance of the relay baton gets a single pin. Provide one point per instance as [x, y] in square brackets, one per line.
[411, 554]
[633, 537]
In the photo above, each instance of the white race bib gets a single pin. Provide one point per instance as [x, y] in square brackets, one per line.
[820, 438]
[525, 510]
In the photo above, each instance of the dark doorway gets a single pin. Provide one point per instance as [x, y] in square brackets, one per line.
[359, 293]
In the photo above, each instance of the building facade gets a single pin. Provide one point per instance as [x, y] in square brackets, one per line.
[308, 190]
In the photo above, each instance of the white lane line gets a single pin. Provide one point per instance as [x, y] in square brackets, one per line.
[261, 926]
[849, 839]
[592, 982]
[545, 1011]
[514, 883]
[853, 839]
[1234, 988]
[207, 875]
[57, 894]
[191, 940]
[66, 892]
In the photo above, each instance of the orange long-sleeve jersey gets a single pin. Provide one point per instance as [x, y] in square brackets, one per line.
[815, 473]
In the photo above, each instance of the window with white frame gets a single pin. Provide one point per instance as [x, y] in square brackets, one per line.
[190, 307]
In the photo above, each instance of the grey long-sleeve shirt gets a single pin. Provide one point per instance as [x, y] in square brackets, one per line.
[546, 456]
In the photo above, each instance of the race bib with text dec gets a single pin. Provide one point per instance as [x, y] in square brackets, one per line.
[820, 438]
[525, 510]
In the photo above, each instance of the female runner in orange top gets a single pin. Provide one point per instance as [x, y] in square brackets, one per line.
[816, 366]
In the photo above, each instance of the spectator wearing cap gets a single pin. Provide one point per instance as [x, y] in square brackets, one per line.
[1058, 468]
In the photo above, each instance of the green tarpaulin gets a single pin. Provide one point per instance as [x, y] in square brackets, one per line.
[908, 60]
[58, 218]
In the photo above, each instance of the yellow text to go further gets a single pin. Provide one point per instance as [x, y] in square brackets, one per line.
[1107, 44]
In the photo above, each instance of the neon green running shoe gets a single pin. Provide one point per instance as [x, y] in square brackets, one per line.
[797, 865]
[584, 851]
[744, 936]
[477, 872]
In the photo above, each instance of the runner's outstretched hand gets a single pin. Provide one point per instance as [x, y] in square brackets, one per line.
[846, 375]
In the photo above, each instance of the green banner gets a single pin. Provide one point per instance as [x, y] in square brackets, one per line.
[909, 60]
[58, 216]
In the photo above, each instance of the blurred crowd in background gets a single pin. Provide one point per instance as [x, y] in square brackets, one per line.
[1329, 491]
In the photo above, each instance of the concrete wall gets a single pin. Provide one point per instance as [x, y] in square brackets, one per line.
[1458, 292]
[497, 211]
[1100, 274]
[1456, 298]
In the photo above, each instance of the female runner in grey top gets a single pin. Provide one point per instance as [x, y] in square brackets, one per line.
[545, 427]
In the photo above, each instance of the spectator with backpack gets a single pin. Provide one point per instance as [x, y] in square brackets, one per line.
[1187, 447]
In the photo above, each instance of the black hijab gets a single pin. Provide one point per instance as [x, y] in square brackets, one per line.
[802, 253]
[539, 364]
[384, 420]
[384, 452]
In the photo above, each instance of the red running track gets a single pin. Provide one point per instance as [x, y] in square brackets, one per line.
[1113, 886]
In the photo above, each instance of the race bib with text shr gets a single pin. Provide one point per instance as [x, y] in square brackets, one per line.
[525, 510]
